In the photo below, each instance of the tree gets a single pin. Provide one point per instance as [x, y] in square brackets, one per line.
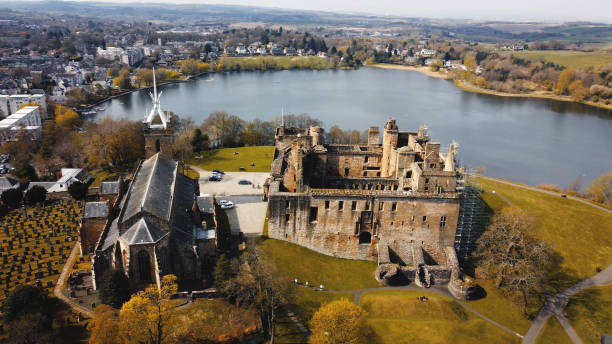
[78, 190]
[577, 90]
[30, 329]
[199, 141]
[189, 66]
[123, 79]
[470, 62]
[339, 321]
[600, 190]
[510, 253]
[36, 195]
[25, 172]
[103, 326]
[114, 288]
[11, 197]
[26, 299]
[222, 272]
[66, 118]
[565, 78]
[145, 318]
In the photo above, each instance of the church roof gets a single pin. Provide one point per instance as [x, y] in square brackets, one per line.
[95, 210]
[152, 189]
[143, 232]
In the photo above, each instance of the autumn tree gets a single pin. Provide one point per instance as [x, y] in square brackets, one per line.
[147, 316]
[601, 189]
[565, 78]
[144, 77]
[577, 90]
[104, 326]
[114, 144]
[199, 141]
[66, 118]
[470, 62]
[189, 66]
[114, 288]
[123, 79]
[509, 253]
[224, 130]
[339, 321]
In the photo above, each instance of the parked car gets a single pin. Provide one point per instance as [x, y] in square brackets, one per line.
[244, 182]
[4, 158]
[215, 178]
[225, 204]
[218, 171]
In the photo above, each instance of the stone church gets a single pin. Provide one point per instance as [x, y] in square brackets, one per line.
[156, 227]
[396, 203]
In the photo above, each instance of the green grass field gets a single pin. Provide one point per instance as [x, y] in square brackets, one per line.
[293, 261]
[579, 234]
[398, 317]
[553, 333]
[100, 176]
[590, 313]
[573, 59]
[225, 159]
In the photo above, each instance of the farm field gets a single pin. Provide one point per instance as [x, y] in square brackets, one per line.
[572, 59]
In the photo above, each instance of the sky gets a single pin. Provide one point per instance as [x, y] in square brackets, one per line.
[553, 11]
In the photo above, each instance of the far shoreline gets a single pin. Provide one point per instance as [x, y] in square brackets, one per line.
[473, 89]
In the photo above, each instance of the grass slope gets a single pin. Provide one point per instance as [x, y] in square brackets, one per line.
[590, 313]
[398, 317]
[293, 261]
[580, 234]
[573, 59]
[225, 159]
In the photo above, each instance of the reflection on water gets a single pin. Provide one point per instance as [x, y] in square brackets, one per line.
[530, 140]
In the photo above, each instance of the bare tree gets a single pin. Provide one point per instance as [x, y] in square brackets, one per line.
[510, 253]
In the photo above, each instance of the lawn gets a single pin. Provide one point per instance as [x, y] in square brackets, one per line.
[573, 59]
[293, 261]
[99, 176]
[590, 313]
[553, 333]
[398, 317]
[579, 234]
[225, 159]
[191, 173]
[495, 306]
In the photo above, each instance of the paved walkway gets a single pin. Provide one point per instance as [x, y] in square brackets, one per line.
[61, 284]
[578, 199]
[554, 306]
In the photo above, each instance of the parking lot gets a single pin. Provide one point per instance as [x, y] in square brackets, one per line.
[249, 212]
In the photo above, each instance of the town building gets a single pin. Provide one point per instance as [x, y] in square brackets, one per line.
[9, 104]
[27, 120]
[396, 203]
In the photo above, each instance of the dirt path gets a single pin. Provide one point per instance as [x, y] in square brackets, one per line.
[61, 284]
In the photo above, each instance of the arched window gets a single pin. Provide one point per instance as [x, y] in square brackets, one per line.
[365, 238]
[118, 258]
[157, 146]
[144, 266]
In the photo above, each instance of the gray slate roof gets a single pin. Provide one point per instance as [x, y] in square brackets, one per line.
[95, 210]
[8, 183]
[206, 204]
[107, 188]
[152, 189]
[143, 232]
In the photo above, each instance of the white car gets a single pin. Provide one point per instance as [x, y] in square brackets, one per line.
[225, 204]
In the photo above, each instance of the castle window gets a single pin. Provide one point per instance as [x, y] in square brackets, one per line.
[408, 174]
[365, 238]
[313, 214]
[367, 205]
[287, 205]
[381, 206]
[426, 180]
[157, 146]
[365, 173]
[432, 165]
[424, 218]
[395, 187]
[286, 217]
[394, 206]
[340, 205]
[426, 188]
[346, 171]
[354, 205]
[439, 189]
[412, 218]
[442, 222]
[144, 266]
[326, 204]
[366, 159]
[378, 174]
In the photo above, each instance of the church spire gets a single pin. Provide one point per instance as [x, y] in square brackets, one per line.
[156, 110]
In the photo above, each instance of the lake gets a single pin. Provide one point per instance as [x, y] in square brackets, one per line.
[533, 141]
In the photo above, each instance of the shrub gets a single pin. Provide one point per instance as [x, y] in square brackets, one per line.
[78, 190]
[26, 299]
[12, 197]
[36, 195]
